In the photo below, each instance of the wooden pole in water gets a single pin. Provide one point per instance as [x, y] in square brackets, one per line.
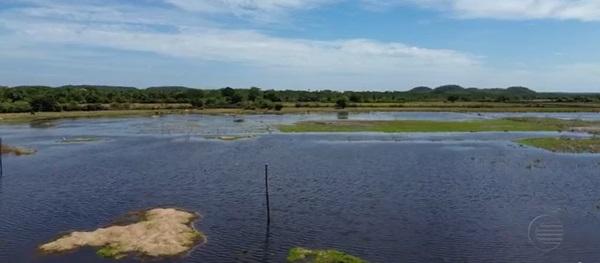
[267, 194]
[1, 165]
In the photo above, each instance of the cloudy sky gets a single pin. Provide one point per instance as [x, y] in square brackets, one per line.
[548, 45]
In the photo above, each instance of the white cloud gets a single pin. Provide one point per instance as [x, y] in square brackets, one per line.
[257, 9]
[48, 26]
[584, 10]
[356, 56]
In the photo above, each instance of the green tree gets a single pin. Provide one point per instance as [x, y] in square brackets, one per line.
[197, 102]
[355, 98]
[341, 103]
[253, 94]
[272, 96]
[45, 103]
[227, 92]
[452, 98]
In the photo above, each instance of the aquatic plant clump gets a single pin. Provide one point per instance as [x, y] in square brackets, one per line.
[232, 138]
[303, 255]
[82, 139]
[18, 151]
[162, 232]
[229, 137]
[565, 144]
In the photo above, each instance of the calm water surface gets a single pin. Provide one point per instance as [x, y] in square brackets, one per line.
[448, 197]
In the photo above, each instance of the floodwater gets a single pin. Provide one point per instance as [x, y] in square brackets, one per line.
[444, 197]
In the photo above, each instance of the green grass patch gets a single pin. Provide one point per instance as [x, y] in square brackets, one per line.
[303, 255]
[566, 145]
[508, 124]
[112, 252]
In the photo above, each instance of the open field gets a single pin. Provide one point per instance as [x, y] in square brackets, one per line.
[567, 145]
[317, 108]
[508, 124]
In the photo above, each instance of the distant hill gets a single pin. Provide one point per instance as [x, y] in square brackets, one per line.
[459, 90]
[101, 87]
[169, 88]
[449, 89]
[421, 89]
[30, 87]
[520, 90]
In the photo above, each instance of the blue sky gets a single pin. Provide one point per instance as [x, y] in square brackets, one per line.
[548, 45]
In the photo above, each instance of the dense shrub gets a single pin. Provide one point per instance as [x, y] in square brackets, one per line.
[197, 103]
[45, 103]
[95, 107]
[341, 103]
[17, 106]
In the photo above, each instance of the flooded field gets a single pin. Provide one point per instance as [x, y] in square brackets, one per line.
[415, 197]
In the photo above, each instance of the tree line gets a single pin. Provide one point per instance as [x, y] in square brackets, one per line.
[89, 97]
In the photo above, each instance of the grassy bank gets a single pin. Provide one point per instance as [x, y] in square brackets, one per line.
[44, 116]
[566, 145]
[422, 107]
[509, 124]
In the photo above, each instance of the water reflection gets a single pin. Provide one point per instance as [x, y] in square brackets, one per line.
[1, 197]
[342, 115]
[42, 124]
[267, 243]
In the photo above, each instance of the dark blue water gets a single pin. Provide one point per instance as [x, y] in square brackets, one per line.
[382, 197]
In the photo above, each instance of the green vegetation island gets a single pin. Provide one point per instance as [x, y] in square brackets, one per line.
[493, 125]
[303, 255]
[564, 144]
[27, 103]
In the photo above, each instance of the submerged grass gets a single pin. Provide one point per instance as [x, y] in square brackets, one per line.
[564, 144]
[18, 151]
[303, 255]
[82, 139]
[507, 124]
[231, 138]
